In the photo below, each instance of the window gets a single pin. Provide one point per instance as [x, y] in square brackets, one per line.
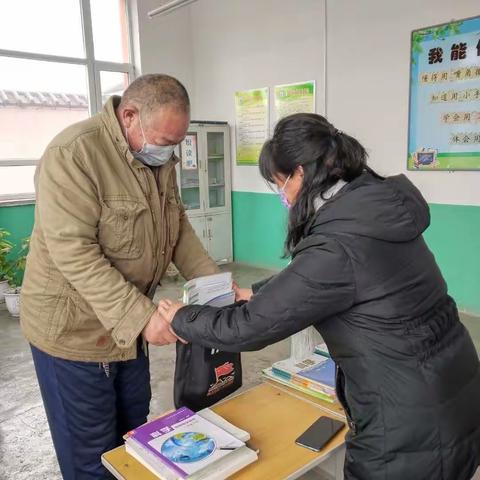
[110, 35]
[113, 83]
[49, 27]
[59, 65]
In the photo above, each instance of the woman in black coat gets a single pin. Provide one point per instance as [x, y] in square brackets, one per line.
[361, 273]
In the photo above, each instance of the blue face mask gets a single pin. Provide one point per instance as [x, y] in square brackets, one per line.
[283, 196]
[153, 155]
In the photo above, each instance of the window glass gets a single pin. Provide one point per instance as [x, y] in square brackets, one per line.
[16, 180]
[113, 83]
[37, 101]
[52, 27]
[110, 30]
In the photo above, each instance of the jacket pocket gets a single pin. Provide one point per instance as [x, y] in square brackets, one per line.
[340, 389]
[61, 313]
[173, 219]
[121, 229]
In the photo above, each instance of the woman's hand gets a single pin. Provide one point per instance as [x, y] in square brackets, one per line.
[242, 293]
[158, 331]
[167, 310]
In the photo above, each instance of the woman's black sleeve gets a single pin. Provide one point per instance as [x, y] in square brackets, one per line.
[318, 283]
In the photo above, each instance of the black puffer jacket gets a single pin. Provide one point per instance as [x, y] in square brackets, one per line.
[409, 374]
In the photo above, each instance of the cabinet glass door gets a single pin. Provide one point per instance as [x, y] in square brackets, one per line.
[189, 173]
[216, 169]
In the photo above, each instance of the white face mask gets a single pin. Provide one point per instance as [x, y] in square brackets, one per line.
[152, 155]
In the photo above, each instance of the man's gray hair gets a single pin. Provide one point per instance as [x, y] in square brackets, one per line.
[153, 91]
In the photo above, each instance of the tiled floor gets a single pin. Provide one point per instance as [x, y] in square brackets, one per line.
[26, 452]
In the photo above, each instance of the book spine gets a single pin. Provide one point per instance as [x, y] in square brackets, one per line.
[313, 385]
[322, 389]
[300, 382]
[153, 461]
[288, 383]
[282, 373]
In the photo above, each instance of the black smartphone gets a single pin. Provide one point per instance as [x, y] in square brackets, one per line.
[319, 433]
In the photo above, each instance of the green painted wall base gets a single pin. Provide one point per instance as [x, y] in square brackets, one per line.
[259, 224]
[454, 237]
[18, 220]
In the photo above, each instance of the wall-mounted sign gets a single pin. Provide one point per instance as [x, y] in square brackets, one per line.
[294, 98]
[251, 124]
[444, 120]
[189, 152]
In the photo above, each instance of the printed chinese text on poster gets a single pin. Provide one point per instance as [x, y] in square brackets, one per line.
[444, 123]
[251, 109]
[294, 98]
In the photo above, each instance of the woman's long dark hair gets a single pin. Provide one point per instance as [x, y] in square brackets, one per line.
[326, 155]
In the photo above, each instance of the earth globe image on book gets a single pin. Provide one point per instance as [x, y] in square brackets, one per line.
[188, 447]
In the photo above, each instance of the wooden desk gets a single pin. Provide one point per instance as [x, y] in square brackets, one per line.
[274, 416]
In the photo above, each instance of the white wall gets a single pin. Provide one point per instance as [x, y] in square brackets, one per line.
[245, 44]
[236, 45]
[164, 43]
[368, 82]
[219, 46]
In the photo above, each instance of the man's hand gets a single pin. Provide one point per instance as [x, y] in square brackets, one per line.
[158, 331]
[167, 310]
[242, 293]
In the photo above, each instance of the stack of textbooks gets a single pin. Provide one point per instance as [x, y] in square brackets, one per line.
[322, 349]
[214, 290]
[188, 445]
[314, 375]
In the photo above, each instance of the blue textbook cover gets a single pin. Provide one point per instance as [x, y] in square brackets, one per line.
[322, 373]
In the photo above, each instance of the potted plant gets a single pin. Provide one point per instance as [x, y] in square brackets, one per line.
[5, 265]
[15, 278]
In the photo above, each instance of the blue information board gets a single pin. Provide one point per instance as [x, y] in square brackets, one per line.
[444, 117]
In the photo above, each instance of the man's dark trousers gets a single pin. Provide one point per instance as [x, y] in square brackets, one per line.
[90, 406]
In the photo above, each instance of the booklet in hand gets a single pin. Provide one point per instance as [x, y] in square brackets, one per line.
[214, 290]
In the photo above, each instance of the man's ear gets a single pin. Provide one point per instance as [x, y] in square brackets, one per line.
[299, 171]
[128, 115]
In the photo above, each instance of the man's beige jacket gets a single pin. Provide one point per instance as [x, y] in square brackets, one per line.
[106, 228]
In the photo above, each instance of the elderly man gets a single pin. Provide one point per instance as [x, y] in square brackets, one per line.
[108, 221]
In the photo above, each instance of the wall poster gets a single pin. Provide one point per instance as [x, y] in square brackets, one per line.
[251, 124]
[294, 98]
[444, 118]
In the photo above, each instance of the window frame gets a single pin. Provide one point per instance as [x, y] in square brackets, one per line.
[94, 90]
